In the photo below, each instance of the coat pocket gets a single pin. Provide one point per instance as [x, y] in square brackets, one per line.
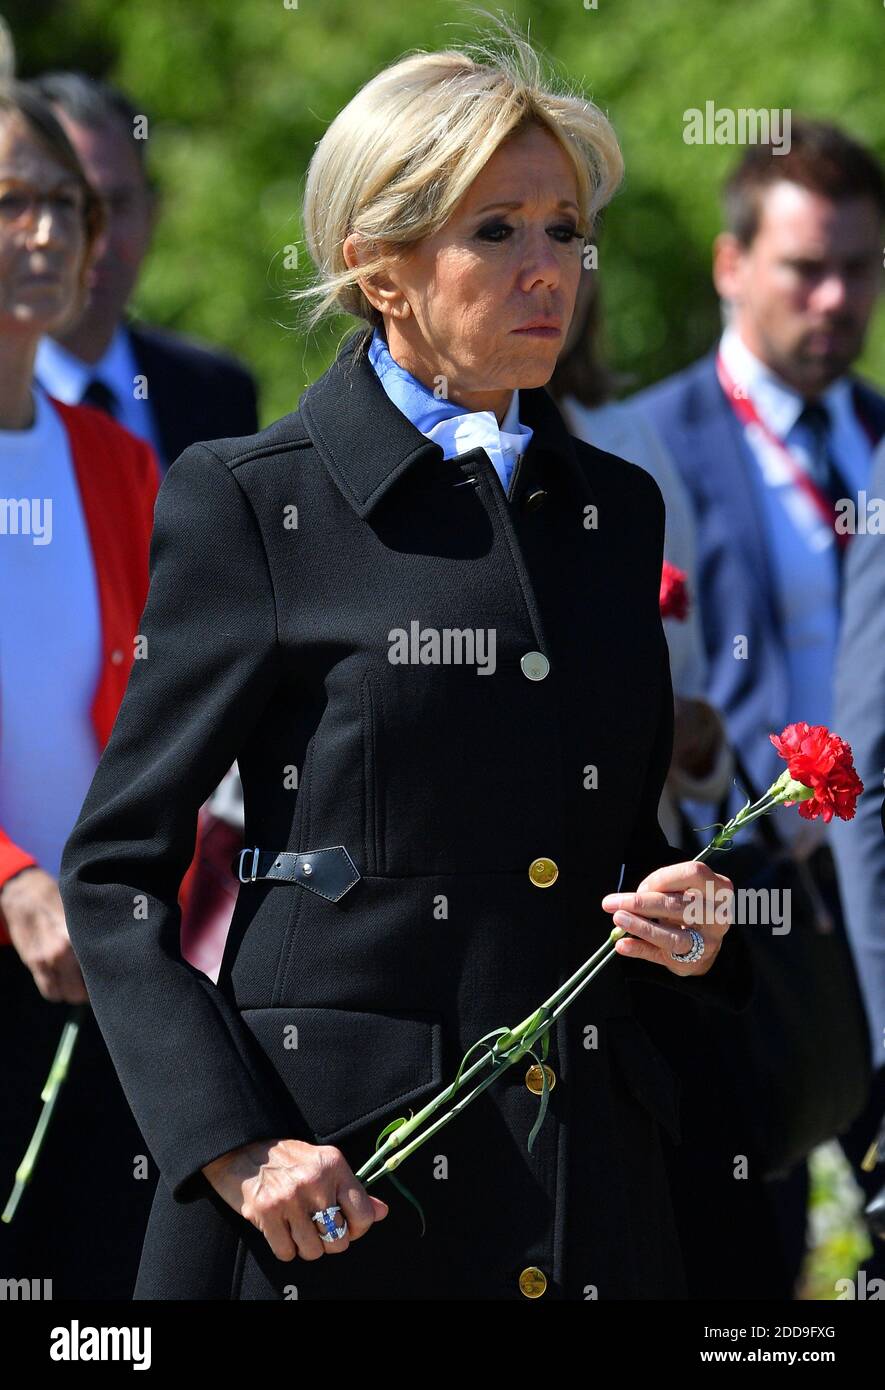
[344, 1068]
[645, 1070]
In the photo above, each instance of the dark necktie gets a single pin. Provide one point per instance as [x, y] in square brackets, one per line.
[821, 465]
[100, 396]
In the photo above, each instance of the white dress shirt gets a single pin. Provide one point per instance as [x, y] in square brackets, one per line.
[66, 378]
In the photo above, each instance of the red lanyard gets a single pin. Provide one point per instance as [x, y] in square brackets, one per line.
[746, 412]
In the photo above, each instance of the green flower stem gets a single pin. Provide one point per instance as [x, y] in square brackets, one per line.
[394, 1140]
[562, 991]
[503, 1055]
[511, 1045]
[745, 817]
[49, 1095]
[396, 1159]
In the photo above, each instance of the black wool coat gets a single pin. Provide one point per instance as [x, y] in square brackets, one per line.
[282, 566]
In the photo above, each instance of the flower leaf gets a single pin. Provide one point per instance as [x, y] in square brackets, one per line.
[388, 1129]
[542, 1110]
[480, 1042]
[410, 1197]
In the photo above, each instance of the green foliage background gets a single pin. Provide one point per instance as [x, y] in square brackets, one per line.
[240, 91]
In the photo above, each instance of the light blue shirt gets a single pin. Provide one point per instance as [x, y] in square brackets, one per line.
[801, 546]
[66, 377]
[455, 429]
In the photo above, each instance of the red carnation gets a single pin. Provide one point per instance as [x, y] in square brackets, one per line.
[822, 761]
[674, 593]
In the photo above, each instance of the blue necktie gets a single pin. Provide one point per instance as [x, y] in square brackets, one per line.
[822, 466]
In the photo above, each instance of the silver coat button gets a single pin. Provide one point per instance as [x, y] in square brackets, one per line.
[534, 665]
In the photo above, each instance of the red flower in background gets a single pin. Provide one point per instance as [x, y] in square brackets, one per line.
[674, 592]
[822, 761]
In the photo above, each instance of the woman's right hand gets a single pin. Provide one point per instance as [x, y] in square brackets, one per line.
[31, 906]
[277, 1183]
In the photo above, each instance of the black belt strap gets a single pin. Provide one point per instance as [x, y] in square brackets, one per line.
[330, 872]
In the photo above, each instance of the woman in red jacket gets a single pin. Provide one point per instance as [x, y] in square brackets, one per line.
[75, 525]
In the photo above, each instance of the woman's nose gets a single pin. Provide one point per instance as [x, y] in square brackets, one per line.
[540, 262]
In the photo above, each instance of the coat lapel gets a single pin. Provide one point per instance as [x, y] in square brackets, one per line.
[367, 443]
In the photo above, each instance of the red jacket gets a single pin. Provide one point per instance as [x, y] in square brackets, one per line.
[118, 477]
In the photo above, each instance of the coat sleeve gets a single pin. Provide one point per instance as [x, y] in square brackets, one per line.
[192, 1073]
[730, 981]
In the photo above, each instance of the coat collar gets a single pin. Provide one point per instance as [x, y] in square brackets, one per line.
[368, 444]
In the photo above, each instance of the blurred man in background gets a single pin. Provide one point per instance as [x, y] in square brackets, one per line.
[859, 845]
[770, 430]
[169, 390]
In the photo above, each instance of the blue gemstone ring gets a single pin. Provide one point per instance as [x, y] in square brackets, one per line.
[330, 1231]
[697, 948]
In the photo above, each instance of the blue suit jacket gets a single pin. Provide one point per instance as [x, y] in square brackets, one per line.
[737, 589]
[859, 845]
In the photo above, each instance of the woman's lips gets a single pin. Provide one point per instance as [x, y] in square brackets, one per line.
[539, 332]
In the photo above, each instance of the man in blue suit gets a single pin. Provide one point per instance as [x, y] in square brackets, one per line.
[798, 270]
[774, 437]
[859, 845]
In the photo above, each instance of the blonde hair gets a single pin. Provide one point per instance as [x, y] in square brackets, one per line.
[401, 154]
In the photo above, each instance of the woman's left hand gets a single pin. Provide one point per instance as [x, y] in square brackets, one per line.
[663, 907]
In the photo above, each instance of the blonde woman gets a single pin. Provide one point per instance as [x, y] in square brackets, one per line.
[424, 620]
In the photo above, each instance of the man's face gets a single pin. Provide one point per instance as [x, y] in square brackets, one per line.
[804, 290]
[113, 170]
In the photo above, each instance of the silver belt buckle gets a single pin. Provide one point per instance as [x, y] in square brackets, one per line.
[254, 870]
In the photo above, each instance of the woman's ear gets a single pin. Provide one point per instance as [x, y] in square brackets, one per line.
[380, 289]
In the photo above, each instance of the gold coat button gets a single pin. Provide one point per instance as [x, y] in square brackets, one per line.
[543, 872]
[534, 665]
[532, 1282]
[533, 1079]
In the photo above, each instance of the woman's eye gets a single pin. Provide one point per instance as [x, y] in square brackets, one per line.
[487, 233]
[571, 233]
[564, 233]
